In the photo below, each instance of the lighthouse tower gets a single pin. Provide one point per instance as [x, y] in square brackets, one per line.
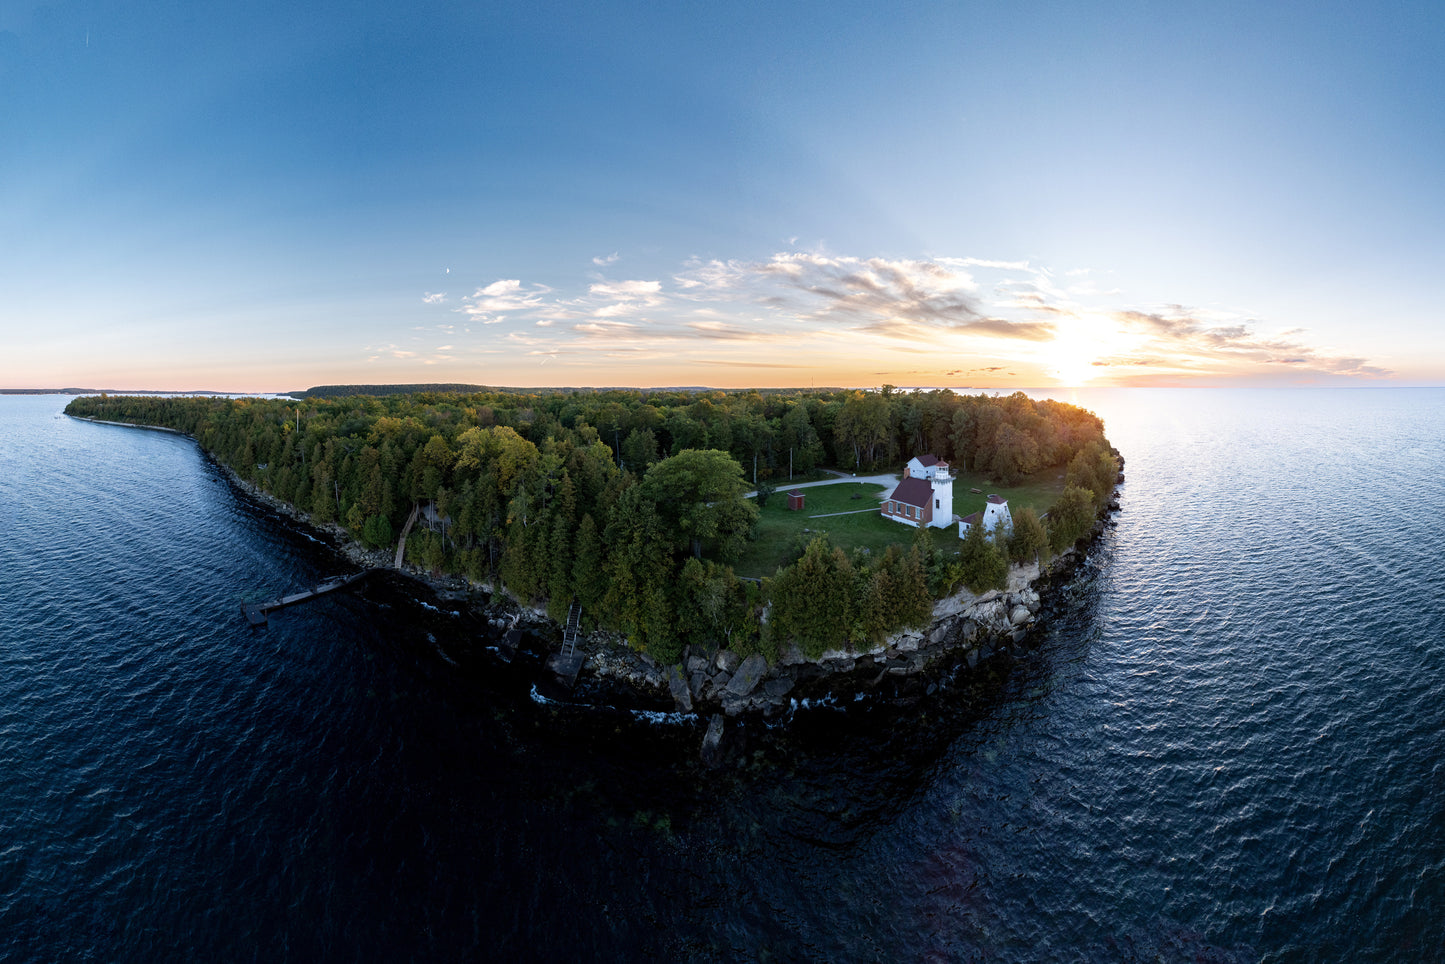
[996, 517]
[942, 481]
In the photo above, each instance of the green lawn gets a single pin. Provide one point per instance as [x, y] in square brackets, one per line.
[1040, 490]
[865, 526]
[777, 527]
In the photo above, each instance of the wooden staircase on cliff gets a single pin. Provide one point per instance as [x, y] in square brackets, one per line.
[567, 662]
[401, 543]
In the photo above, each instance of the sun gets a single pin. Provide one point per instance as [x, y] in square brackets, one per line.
[1070, 363]
[1076, 356]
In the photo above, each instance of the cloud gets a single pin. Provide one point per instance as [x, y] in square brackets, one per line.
[722, 331]
[998, 315]
[900, 298]
[1191, 340]
[727, 363]
[502, 297]
[985, 263]
[434, 297]
[605, 327]
[625, 289]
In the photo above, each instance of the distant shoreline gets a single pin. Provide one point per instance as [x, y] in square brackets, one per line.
[103, 391]
[153, 428]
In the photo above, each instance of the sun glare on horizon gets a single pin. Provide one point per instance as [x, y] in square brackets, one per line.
[1070, 361]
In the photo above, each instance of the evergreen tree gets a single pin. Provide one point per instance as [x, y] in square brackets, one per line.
[1070, 517]
[377, 532]
[638, 576]
[911, 602]
[559, 550]
[813, 599]
[589, 576]
[1029, 537]
[982, 562]
[639, 450]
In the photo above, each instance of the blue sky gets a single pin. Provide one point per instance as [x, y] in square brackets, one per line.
[269, 196]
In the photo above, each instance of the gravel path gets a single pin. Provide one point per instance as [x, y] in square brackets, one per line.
[889, 483]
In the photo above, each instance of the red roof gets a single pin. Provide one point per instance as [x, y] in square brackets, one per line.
[913, 491]
[971, 520]
[927, 460]
[997, 499]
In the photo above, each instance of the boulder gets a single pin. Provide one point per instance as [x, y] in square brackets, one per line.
[941, 632]
[677, 686]
[696, 664]
[745, 680]
[1020, 615]
[777, 688]
[712, 753]
[793, 656]
[908, 642]
[697, 683]
[727, 661]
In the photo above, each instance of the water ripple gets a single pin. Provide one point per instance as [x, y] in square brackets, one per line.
[1226, 746]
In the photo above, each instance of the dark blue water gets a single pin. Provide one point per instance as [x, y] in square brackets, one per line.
[1227, 746]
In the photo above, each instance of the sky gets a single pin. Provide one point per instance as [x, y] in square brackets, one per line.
[266, 197]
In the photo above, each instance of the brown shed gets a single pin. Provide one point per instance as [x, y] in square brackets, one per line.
[795, 501]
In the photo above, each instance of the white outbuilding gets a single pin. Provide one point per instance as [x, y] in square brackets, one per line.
[994, 518]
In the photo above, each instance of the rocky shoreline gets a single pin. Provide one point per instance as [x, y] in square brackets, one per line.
[966, 629]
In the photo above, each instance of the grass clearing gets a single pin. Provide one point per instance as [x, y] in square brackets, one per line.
[779, 529]
[1040, 490]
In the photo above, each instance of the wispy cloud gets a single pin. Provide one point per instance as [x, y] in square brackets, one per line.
[1193, 341]
[434, 297]
[997, 317]
[500, 298]
[900, 298]
[623, 290]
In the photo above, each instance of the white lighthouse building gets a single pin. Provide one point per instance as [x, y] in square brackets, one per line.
[924, 497]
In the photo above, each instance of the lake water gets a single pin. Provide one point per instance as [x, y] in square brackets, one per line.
[1227, 745]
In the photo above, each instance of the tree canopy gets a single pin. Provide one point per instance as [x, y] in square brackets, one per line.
[631, 501]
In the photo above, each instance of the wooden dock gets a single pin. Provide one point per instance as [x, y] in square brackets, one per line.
[256, 612]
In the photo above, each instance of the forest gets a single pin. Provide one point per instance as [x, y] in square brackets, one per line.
[633, 502]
